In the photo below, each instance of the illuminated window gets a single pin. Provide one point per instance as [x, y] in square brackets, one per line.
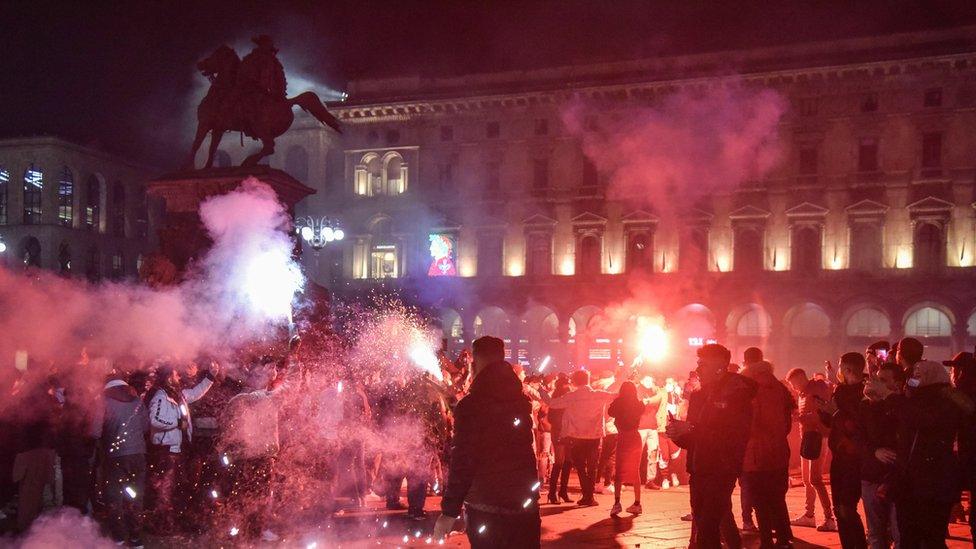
[928, 322]
[866, 246]
[443, 255]
[929, 247]
[4, 193]
[66, 196]
[383, 261]
[807, 249]
[93, 198]
[33, 195]
[754, 323]
[868, 323]
[810, 321]
[589, 255]
[491, 321]
[490, 254]
[118, 209]
[64, 258]
[296, 162]
[539, 254]
[748, 249]
[640, 252]
[867, 155]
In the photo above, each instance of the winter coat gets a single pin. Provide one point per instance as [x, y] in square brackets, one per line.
[877, 427]
[721, 419]
[929, 422]
[768, 448]
[493, 466]
[165, 414]
[843, 423]
[585, 413]
[121, 422]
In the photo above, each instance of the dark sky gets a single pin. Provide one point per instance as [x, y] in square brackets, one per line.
[120, 75]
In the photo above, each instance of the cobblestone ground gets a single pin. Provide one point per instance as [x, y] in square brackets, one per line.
[563, 526]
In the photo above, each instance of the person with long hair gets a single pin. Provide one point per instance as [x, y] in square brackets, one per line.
[626, 411]
[562, 464]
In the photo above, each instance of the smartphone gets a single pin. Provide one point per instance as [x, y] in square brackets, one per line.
[883, 354]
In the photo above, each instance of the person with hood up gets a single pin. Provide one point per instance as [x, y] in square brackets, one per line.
[120, 423]
[492, 469]
[930, 420]
[765, 468]
[716, 435]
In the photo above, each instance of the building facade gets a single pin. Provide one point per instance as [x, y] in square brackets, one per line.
[71, 209]
[470, 195]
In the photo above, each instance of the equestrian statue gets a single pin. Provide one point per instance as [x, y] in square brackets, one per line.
[248, 96]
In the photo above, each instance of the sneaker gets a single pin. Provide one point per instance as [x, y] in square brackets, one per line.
[616, 509]
[635, 509]
[829, 525]
[804, 520]
[417, 515]
[688, 518]
[610, 488]
[665, 484]
[651, 485]
[749, 526]
[587, 503]
[674, 480]
[269, 536]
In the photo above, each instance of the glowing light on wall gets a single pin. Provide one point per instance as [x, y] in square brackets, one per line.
[466, 266]
[515, 267]
[903, 259]
[723, 261]
[566, 265]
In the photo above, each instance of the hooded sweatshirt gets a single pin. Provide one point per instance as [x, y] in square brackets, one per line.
[122, 421]
[493, 467]
[772, 417]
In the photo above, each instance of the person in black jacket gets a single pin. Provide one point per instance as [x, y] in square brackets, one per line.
[715, 435]
[493, 470]
[964, 380]
[840, 414]
[877, 428]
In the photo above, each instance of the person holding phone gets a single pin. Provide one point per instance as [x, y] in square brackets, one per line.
[810, 393]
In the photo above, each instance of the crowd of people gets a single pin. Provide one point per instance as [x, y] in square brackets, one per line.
[172, 448]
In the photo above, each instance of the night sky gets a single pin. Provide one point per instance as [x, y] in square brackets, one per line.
[121, 77]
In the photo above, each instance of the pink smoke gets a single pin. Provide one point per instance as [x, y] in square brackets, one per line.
[689, 146]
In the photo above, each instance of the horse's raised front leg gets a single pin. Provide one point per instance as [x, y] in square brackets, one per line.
[215, 136]
[266, 150]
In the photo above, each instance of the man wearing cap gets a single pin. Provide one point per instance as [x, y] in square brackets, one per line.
[963, 375]
[715, 435]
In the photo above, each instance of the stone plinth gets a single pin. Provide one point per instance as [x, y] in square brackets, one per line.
[182, 236]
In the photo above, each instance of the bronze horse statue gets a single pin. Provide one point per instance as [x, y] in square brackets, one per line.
[230, 106]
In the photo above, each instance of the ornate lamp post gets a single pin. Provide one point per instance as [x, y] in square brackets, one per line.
[318, 232]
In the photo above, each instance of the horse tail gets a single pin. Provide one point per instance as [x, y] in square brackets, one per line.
[310, 103]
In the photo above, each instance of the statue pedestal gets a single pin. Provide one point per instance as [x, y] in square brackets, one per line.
[182, 236]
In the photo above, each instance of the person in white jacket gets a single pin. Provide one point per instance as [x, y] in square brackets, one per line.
[170, 430]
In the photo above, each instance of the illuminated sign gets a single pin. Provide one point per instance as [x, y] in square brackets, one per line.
[700, 341]
[443, 253]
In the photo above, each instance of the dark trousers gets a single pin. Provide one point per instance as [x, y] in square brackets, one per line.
[351, 465]
[166, 495]
[503, 531]
[746, 500]
[559, 475]
[125, 484]
[249, 500]
[845, 488]
[767, 492]
[608, 450]
[972, 509]
[585, 453]
[711, 505]
[922, 523]
[416, 489]
[204, 473]
[76, 475]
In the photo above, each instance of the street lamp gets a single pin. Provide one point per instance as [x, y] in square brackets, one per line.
[318, 232]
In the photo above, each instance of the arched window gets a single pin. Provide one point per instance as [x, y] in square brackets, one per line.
[64, 259]
[640, 252]
[753, 323]
[66, 198]
[810, 321]
[395, 177]
[118, 209]
[30, 253]
[929, 247]
[538, 254]
[866, 247]
[33, 195]
[807, 249]
[928, 322]
[296, 162]
[491, 321]
[4, 194]
[748, 250]
[868, 323]
[93, 200]
[589, 255]
[222, 159]
[371, 174]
